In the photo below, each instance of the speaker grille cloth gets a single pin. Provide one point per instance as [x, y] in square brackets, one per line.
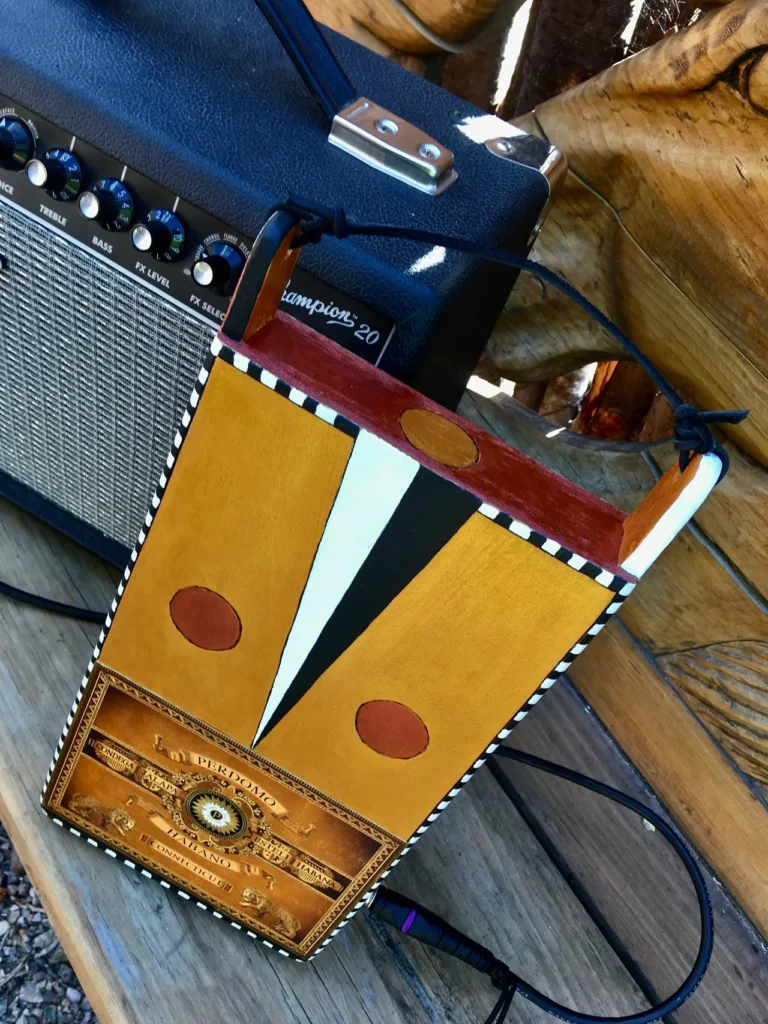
[95, 372]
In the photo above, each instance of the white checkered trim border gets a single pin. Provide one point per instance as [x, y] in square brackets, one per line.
[322, 412]
[165, 476]
[549, 682]
[114, 855]
[330, 416]
[602, 576]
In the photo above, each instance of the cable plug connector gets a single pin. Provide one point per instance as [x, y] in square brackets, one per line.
[412, 919]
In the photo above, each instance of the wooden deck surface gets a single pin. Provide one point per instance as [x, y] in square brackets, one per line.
[574, 892]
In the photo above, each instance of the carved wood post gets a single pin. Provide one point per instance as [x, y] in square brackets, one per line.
[661, 223]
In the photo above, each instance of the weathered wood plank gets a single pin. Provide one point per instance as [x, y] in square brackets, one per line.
[615, 472]
[688, 600]
[631, 874]
[724, 819]
[541, 333]
[712, 636]
[143, 955]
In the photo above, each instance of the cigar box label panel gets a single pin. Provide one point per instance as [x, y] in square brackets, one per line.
[240, 835]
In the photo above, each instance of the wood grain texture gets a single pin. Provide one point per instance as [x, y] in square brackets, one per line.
[629, 874]
[454, 20]
[616, 472]
[617, 403]
[442, 648]
[342, 17]
[669, 141]
[542, 334]
[658, 225]
[709, 635]
[726, 821]
[204, 546]
[677, 114]
[726, 686]
[688, 600]
[735, 515]
[145, 956]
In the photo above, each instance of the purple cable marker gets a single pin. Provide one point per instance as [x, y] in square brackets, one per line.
[408, 922]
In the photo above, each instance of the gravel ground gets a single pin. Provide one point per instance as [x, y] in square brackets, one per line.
[36, 981]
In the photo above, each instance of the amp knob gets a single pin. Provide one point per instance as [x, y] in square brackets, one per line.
[16, 144]
[219, 267]
[110, 203]
[59, 172]
[161, 234]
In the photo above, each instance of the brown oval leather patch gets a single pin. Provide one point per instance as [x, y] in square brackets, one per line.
[439, 438]
[391, 728]
[205, 618]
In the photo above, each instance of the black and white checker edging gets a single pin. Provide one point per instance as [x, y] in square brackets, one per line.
[549, 682]
[323, 412]
[609, 580]
[333, 418]
[165, 476]
[328, 415]
[558, 551]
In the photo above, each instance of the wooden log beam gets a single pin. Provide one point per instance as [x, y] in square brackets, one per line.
[342, 18]
[668, 143]
[455, 21]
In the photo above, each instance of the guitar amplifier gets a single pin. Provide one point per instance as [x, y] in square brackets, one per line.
[141, 146]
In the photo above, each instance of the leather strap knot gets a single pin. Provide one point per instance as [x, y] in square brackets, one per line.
[692, 434]
[506, 981]
[316, 221]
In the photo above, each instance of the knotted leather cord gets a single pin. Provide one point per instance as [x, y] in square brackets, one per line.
[692, 433]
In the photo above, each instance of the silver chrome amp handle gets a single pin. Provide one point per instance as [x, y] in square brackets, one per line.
[378, 137]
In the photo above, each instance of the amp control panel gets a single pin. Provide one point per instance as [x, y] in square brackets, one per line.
[171, 246]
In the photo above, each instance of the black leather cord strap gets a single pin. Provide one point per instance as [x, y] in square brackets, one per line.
[692, 433]
[313, 58]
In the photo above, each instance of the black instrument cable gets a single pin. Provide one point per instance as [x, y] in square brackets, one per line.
[70, 610]
[417, 922]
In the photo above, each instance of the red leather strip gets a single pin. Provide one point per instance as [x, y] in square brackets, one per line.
[502, 476]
